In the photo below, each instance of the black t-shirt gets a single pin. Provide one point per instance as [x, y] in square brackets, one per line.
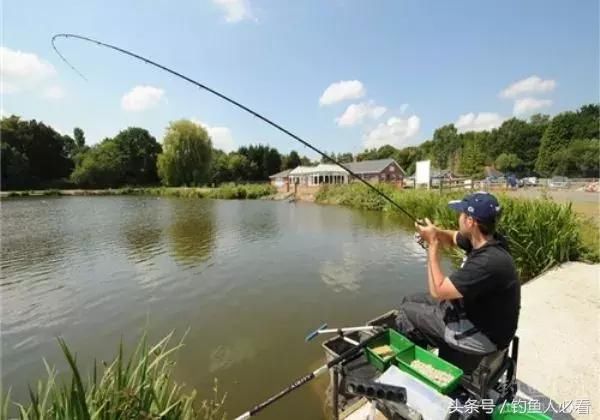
[490, 287]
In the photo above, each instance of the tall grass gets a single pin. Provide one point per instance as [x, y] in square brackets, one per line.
[541, 233]
[136, 387]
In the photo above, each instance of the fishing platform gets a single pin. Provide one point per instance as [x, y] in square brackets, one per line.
[367, 386]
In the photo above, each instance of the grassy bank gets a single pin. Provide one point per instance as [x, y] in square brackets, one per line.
[137, 387]
[541, 232]
[227, 191]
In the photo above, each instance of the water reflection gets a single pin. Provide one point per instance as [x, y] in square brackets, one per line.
[274, 270]
[192, 231]
[256, 221]
[32, 247]
[142, 233]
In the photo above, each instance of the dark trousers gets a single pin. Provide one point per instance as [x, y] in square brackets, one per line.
[421, 319]
[426, 321]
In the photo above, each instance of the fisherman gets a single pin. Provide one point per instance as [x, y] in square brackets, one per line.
[475, 309]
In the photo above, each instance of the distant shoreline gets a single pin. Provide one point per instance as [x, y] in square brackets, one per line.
[242, 191]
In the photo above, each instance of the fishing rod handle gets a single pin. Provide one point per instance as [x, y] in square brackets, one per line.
[315, 332]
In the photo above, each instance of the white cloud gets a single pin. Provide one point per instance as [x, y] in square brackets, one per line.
[341, 91]
[526, 106]
[356, 113]
[478, 122]
[21, 70]
[235, 10]
[532, 84]
[396, 131]
[141, 98]
[54, 92]
[221, 136]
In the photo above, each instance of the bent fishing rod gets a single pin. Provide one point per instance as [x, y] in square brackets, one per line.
[227, 99]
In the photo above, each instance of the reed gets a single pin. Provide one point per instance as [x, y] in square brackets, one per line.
[140, 386]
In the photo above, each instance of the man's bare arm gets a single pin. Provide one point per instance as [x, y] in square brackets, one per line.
[447, 237]
[440, 286]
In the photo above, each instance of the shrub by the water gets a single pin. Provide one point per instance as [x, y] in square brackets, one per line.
[137, 387]
[541, 233]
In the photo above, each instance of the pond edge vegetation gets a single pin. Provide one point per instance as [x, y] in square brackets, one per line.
[541, 232]
[139, 386]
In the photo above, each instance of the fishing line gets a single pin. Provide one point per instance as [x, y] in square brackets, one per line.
[228, 99]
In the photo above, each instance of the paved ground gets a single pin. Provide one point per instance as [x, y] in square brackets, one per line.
[559, 195]
[559, 331]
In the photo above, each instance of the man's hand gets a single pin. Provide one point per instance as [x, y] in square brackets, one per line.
[428, 232]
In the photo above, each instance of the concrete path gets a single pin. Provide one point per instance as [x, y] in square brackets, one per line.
[559, 352]
[559, 331]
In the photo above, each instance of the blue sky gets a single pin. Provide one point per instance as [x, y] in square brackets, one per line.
[396, 70]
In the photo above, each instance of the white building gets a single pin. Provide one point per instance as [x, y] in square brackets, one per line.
[317, 175]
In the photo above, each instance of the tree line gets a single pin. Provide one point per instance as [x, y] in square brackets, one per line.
[567, 144]
[34, 155]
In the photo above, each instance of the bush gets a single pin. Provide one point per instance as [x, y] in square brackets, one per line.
[240, 192]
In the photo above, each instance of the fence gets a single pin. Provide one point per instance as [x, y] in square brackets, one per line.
[486, 185]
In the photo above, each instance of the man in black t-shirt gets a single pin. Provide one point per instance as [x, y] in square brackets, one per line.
[475, 309]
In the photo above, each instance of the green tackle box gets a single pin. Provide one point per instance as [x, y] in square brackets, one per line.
[395, 340]
[517, 411]
[404, 358]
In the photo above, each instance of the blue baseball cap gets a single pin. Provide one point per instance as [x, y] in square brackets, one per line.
[481, 206]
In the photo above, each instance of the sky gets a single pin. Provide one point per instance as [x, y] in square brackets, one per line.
[344, 74]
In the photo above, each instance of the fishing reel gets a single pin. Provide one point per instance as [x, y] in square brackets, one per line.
[420, 240]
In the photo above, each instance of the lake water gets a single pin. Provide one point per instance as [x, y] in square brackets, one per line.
[248, 278]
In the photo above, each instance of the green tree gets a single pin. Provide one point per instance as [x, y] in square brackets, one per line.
[76, 146]
[556, 139]
[219, 172]
[385, 152]
[100, 167]
[519, 138]
[186, 156]
[345, 158]
[588, 122]
[407, 158]
[540, 120]
[271, 163]
[325, 160]
[305, 161]
[138, 152]
[79, 137]
[15, 167]
[291, 161]
[473, 153]
[238, 166]
[44, 150]
[508, 162]
[579, 159]
[445, 143]
[263, 161]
